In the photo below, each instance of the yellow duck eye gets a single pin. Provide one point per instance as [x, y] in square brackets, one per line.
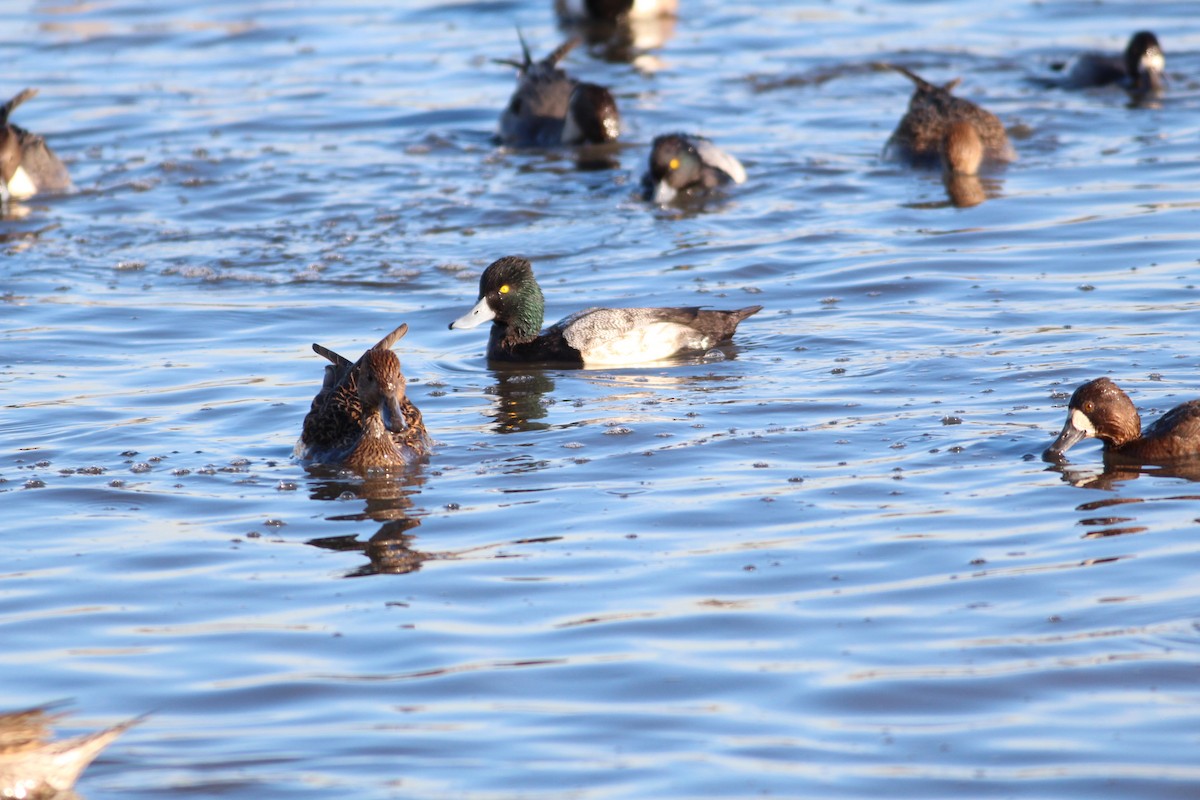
[505, 289]
[674, 163]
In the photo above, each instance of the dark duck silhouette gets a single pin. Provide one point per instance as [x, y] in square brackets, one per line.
[550, 108]
[1101, 410]
[615, 10]
[362, 418]
[1141, 69]
[510, 298]
[27, 164]
[940, 129]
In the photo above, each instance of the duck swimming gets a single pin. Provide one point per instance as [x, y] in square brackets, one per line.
[1141, 69]
[613, 10]
[27, 164]
[1100, 409]
[941, 129]
[550, 108]
[33, 765]
[362, 419]
[510, 298]
[683, 164]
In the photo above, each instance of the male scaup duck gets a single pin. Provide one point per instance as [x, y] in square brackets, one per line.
[1141, 69]
[1100, 409]
[550, 108]
[511, 299]
[362, 419]
[27, 164]
[941, 129]
[682, 164]
[34, 765]
[613, 10]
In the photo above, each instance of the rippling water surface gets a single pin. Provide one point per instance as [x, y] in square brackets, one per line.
[824, 562]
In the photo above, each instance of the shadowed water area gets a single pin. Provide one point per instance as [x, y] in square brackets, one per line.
[825, 560]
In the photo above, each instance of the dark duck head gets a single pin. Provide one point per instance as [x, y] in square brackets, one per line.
[1145, 63]
[509, 298]
[592, 116]
[684, 164]
[1099, 409]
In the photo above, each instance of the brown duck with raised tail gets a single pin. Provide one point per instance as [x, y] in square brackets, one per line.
[33, 765]
[362, 418]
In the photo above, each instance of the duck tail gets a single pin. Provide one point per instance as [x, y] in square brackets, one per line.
[748, 311]
[917, 79]
[76, 753]
[330, 356]
[525, 54]
[559, 53]
[11, 105]
[526, 61]
[389, 341]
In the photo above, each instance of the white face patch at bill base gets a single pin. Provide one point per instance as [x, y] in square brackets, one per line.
[664, 193]
[1081, 422]
[1153, 61]
[481, 313]
[20, 185]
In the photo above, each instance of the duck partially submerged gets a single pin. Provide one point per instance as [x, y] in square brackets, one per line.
[510, 298]
[614, 10]
[1101, 410]
[940, 129]
[34, 765]
[684, 165]
[1141, 69]
[549, 108]
[362, 418]
[27, 164]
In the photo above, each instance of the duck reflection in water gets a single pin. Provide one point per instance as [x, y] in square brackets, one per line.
[1111, 475]
[32, 765]
[521, 399]
[387, 496]
[388, 551]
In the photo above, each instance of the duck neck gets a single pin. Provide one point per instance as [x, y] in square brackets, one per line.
[1122, 432]
[525, 323]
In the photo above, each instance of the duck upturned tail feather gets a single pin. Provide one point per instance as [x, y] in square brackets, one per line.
[12, 104]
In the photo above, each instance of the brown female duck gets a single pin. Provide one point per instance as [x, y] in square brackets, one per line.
[1100, 409]
[27, 164]
[362, 419]
[939, 128]
[33, 765]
